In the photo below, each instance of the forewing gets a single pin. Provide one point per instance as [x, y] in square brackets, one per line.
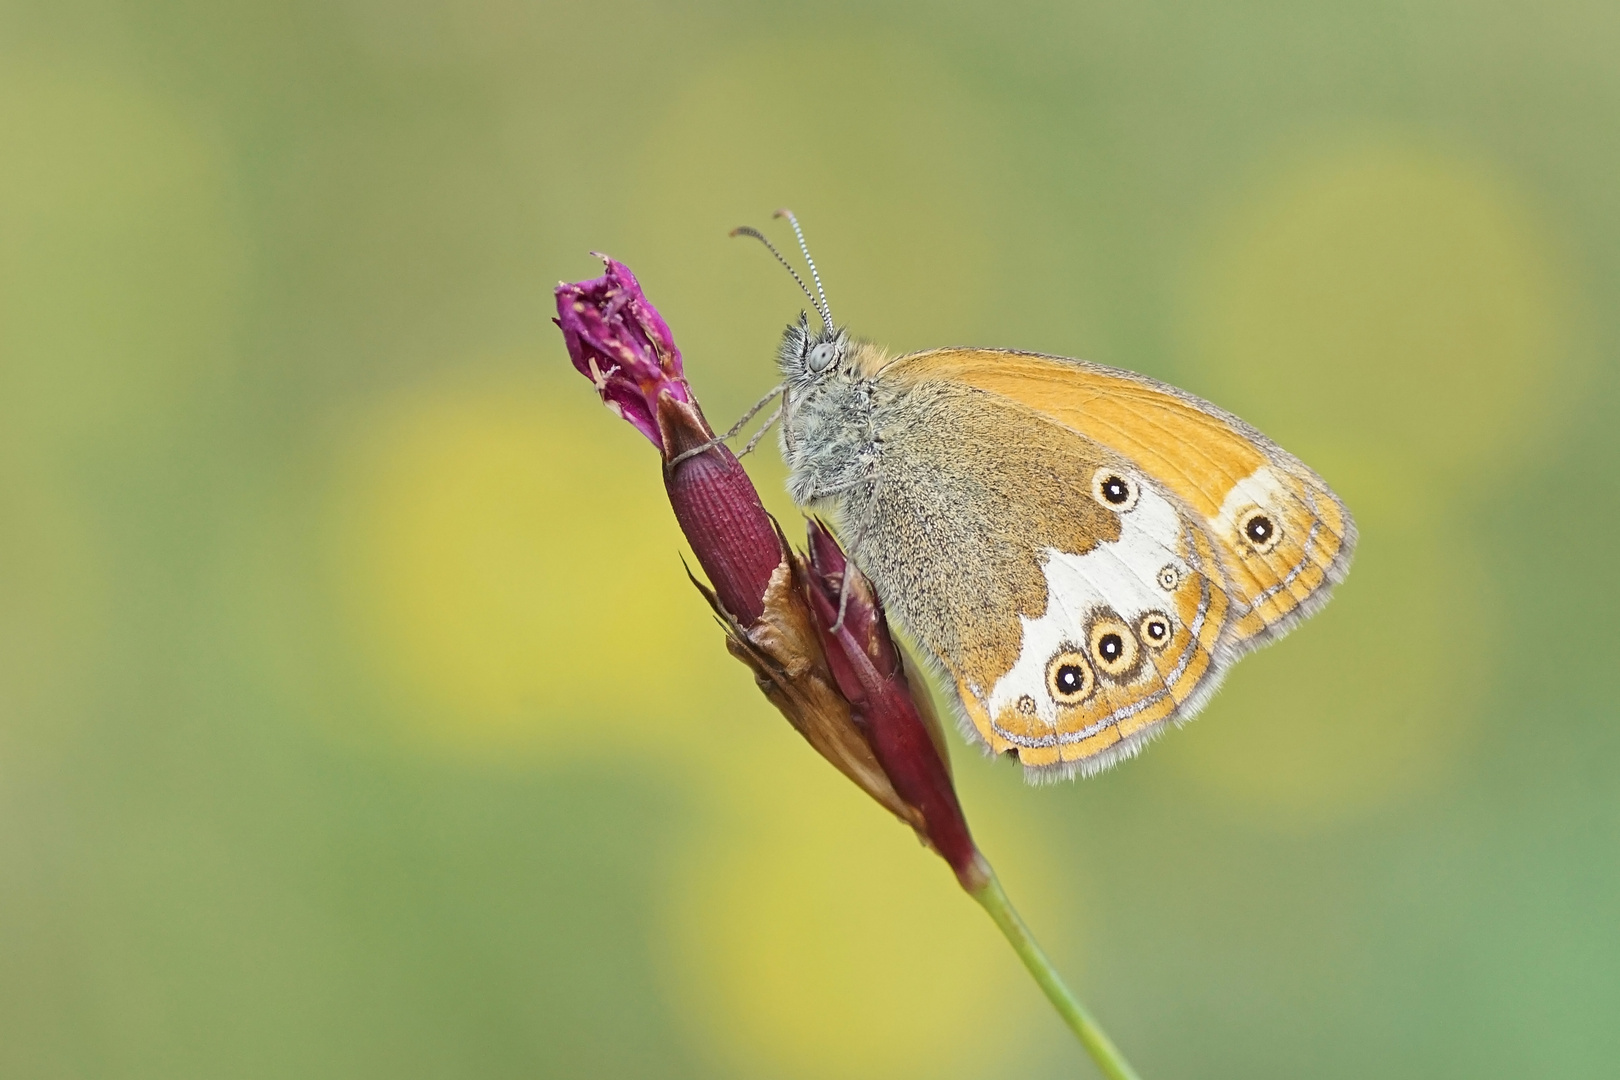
[1281, 537]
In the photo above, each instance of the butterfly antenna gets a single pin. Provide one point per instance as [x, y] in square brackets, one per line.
[823, 307]
[745, 230]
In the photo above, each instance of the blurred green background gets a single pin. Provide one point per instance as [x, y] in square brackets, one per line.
[356, 719]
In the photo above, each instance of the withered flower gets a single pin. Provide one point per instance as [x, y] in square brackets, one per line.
[852, 693]
[620, 342]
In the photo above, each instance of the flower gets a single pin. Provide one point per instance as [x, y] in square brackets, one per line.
[849, 692]
[620, 342]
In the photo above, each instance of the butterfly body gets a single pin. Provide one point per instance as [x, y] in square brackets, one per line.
[1080, 552]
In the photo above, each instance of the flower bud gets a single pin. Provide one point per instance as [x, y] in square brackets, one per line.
[620, 342]
[899, 722]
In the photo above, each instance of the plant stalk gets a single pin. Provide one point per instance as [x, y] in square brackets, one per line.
[993, 899]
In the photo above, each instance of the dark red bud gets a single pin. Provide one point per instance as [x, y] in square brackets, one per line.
[719, 511]
[883, 705]
[862, 613]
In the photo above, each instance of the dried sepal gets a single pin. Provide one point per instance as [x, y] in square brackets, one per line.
[784, 652]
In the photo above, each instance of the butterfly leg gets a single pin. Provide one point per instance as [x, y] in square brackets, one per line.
[843, 602]
[853, 541]
[770, 421]
[753, 411]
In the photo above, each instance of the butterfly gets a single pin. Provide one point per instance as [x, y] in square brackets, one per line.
[1079, 552]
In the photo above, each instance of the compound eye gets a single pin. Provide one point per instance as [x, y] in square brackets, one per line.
[1114, 490]
[1068, 678]
[822, 356]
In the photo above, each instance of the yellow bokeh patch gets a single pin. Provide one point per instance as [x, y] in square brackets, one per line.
[1389, 297]
[810, 935]
[509, 567]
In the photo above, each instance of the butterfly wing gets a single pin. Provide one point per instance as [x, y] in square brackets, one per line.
[1083, 551]
[1075, 605]
[1283, 538]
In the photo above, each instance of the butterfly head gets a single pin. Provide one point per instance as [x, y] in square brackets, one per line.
[807, 356]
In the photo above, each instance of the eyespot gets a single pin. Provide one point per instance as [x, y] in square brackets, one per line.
[1068, 678]
[1169, 577]
[1155, 630]
[1115, 490]
[1259, 529]
[821, 357]
[1026, 705]
[1113, 647]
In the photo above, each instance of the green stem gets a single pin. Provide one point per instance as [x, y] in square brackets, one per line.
[1091, 1036]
